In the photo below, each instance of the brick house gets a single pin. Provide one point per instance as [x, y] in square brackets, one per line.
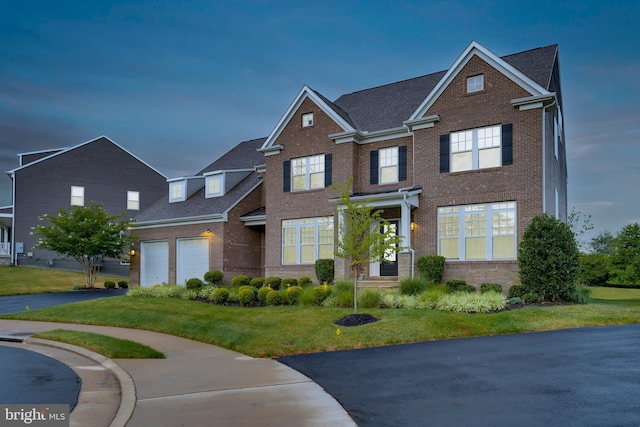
[213, 220]
[460, 161]
[97, 171]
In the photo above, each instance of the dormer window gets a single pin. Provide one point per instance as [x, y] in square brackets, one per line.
[307, 120]
[215, 185]
[177, 191]
[475, 83]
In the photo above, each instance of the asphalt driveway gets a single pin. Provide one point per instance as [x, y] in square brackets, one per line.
[18, 303]
[578, 377]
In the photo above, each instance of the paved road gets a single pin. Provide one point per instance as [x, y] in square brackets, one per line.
[578, 377]
[31, 378]
[18, 303]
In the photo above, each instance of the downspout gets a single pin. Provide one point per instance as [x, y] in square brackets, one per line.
[12, 246]
[544, 155]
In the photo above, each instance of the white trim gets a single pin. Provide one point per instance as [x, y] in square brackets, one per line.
[174, 222]
[304, 93]
[422, 123]
[241, 198]
[369, 137]
[387, 199]
[475, 48]
[208, 177]
[532, 102]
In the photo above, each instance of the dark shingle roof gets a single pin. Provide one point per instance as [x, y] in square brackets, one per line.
[242, 156]
[386, 107]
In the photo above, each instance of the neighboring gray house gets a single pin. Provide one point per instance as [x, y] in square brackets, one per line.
[213, 220]
[97, 171]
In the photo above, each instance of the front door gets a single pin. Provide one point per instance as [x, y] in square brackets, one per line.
[389, 262]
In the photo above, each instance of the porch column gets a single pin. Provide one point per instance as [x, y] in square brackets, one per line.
[341, 269]
[405, 225]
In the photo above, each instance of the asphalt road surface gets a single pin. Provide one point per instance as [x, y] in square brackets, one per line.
[18, 303]
[27, 377]
[577, 377]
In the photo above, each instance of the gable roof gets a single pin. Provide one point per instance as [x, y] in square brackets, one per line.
[243, 155]
[61, 152]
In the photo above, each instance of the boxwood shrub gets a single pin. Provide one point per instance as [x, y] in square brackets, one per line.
[274, 298]
[431, 267]
[325, 270]
[304, 281]
[257, 282]
[213, 277]
[194, 283]
[123, 284]
[459, 286]
[240, 280]
[273, 282]
[109, 284]
[490, 287]
[320, 293]
[262, 293]
[246, 295]
[288, 281]
[293, 293]
[220, 296]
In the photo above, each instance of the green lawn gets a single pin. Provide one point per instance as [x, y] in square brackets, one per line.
[31, 280]
[283, 330]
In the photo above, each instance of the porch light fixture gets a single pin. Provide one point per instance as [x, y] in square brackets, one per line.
[132, 252]
[413, 226]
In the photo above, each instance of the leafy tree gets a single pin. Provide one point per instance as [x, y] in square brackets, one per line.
[358, 241]
[594, 269]
[549, 259]
[86, 234]
[602, 243]
[579, 224]
[626, 255]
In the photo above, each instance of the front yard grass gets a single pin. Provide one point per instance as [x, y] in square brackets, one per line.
[286, 330]
[32, 280]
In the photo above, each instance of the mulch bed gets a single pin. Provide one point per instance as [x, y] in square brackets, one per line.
[356, 320]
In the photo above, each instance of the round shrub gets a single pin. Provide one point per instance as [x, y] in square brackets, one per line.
[490, 287]
[246, 295]
[294, 293]
[240, 280]
[531, 298]
[123, 284]
[257, 282]
[262, 293]
[220, 296]
[304, 281]
[413, 286]
[194, 283]
[288, 281]
[213, 277]
[455, 285]
[320, 293]
[109, 285]
[274, 298]
[273, 282]
[516, 291]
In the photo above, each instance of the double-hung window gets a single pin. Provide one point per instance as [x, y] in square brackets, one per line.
[214, 185]
[306, 240]
[477, 232]
[476, 149]
[133, 200]
[77, 196]
[307, 173]
[177, 191]
[388, 163]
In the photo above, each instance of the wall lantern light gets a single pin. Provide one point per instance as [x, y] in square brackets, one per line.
[413, 226]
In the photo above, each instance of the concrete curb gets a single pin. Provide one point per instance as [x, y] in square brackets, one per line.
[127, 386]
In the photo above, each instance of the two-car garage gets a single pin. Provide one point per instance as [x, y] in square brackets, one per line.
[192, 260]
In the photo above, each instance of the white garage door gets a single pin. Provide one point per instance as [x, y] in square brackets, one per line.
[192, 259]
[154, 262]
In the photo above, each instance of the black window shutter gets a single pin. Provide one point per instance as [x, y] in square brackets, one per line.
[286, 176]
[444, 153]
[507, 144]
[328, 169]
[373, 163]
[402, 163]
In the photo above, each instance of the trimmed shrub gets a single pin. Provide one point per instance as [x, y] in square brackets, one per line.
[123, 284]
[274, 298]
[262, 293]
[549, 259]
[413, 286]
[320, 293]
[531, 298]
[257, 282]
[195, 283]
[220, 296]
[240, 280]
[369, 298]
[304, 281]
[213, 277]
[431, 267]
[490, 287]
[246, 295]
[294, 293]
[459, 286]
[288, 281]
[109, 285]
[273, 282]
[516, 291]
[594, 269]
[325, 270]
[581, 294]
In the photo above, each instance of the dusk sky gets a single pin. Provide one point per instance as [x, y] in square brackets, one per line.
[178, 83]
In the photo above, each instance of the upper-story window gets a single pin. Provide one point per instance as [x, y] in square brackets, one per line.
[77, 196]
[133, 200]
[307, 120]
[388, 163]
[215, 185]
[475, 149]
[307, 173]
[177, 191]
[475, 83]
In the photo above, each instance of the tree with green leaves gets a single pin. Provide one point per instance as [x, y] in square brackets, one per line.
[625, 257]
[360, 242]
[549, 259]
[602, 243]
[86, 234]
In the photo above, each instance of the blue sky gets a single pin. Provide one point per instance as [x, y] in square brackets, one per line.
[179, 83]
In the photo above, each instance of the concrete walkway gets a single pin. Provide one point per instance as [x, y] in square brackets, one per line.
[196, 385]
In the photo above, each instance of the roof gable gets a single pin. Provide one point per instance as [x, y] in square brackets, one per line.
[503, 66]
[334, 112]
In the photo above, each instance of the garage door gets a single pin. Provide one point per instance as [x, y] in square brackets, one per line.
[154, 262]
[192, 259]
